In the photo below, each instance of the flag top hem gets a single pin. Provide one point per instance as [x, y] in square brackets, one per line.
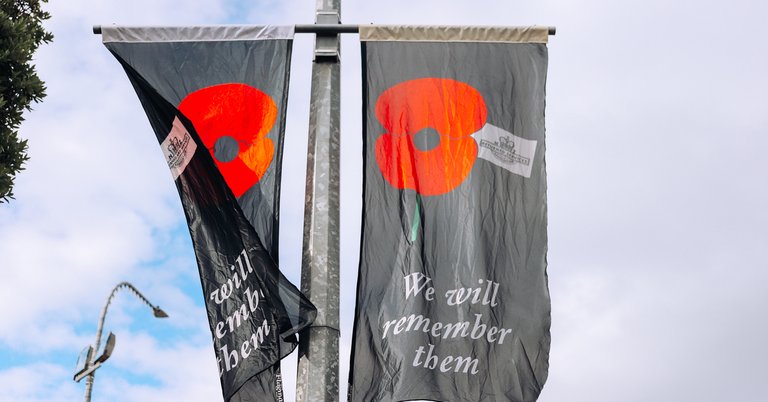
[112, 33]
[493, 34]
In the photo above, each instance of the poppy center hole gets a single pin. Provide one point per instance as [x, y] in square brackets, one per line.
[226, 149]
[426, 139]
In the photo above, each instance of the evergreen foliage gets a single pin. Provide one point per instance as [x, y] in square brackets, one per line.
[21, 33]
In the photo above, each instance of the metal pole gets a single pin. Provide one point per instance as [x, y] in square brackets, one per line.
[318, 369]
[157, 311]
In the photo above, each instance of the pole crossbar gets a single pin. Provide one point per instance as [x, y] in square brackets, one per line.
[323, 29]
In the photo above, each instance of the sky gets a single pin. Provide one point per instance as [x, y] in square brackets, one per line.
[657, 193]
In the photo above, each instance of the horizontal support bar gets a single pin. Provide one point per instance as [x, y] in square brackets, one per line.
[322, 29]
[328, 29]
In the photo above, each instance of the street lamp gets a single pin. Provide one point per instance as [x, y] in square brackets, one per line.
[88, 362]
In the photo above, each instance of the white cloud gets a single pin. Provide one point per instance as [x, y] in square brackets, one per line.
[37, 383]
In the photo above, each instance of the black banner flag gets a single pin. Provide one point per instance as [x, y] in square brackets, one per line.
[452, 299]
[215, 97]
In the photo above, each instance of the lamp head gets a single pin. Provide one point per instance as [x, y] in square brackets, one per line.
[159, 313]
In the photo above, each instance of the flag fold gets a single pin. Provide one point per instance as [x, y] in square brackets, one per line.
[215, 98]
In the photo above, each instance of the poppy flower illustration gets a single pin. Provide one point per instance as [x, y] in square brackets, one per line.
[236, 117]
[427, 146]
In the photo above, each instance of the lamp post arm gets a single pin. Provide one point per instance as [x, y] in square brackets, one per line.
[102, 318]
[96, 344]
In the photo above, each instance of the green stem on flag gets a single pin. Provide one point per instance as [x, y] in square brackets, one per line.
[416, 218]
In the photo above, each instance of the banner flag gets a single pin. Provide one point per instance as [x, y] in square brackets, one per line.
[215, 97]
[452, 299]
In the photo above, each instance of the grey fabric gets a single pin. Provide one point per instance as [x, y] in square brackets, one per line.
[111, 33]
[487, 235]
[412, 33]
[223, 94]
[181, 68]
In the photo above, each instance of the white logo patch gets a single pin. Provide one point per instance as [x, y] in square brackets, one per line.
[178, 148]
[505, 149]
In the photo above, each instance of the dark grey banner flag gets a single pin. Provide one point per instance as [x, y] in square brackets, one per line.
[216, 99]
[452, 299]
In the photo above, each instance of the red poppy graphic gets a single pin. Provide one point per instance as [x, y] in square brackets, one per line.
[452, 109]
[240, 113]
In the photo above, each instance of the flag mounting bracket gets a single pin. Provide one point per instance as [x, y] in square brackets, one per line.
[322, 29]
